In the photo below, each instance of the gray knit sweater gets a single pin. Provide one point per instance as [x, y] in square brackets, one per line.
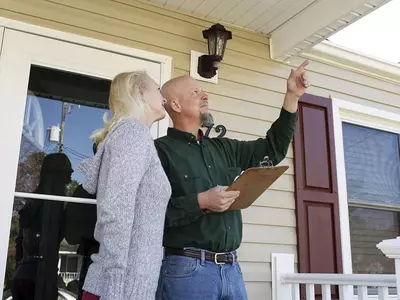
[132, 196]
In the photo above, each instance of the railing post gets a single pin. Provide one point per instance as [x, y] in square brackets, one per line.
[391, 248]
[282, 264]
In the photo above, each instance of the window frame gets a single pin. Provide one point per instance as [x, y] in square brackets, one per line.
[362, 115]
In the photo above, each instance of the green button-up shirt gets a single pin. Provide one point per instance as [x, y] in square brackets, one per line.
[194, 166]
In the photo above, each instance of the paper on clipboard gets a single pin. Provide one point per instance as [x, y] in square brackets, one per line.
[252, 183]
[238, 176]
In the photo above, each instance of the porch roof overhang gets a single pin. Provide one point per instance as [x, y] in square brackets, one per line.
[316, 23]
[294, 26]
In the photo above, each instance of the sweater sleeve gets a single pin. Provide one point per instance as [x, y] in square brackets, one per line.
[127, 162]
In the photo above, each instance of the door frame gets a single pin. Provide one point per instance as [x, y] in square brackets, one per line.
[164, 61]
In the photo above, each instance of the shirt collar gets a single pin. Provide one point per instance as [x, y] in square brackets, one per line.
[182, 135]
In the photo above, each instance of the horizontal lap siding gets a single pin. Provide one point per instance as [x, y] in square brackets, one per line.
[246, 100]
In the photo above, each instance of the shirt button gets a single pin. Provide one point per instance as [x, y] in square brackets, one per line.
[209, 167]
[185, 176]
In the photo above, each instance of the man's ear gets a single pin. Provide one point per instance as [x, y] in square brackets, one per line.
[175, 106]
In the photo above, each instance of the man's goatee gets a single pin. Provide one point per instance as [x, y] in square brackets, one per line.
[207, 120]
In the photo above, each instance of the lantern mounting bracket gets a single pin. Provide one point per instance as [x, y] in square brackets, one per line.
[208, 65]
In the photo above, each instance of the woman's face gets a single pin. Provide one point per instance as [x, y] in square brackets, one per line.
[152, 96]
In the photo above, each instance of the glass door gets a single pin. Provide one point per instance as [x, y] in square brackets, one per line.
[53, 96]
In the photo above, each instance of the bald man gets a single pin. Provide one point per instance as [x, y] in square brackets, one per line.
[201, 236]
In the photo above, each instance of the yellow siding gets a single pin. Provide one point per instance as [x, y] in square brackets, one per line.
[246, 100]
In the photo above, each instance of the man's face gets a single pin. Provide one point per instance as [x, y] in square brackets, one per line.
[194, 101]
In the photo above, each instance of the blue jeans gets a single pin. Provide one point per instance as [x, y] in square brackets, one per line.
[185, 278]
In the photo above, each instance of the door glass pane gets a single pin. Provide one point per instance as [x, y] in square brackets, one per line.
[51, 242]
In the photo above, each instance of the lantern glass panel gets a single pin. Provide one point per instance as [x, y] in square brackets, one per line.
[221, 44]
[212, 44]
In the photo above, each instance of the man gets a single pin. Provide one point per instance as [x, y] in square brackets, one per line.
[201, 237]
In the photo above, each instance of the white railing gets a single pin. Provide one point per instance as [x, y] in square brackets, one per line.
[286, 282]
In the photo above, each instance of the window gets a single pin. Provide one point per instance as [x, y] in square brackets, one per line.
[372, 161]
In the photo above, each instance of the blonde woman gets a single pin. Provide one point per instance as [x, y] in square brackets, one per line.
[132, 194]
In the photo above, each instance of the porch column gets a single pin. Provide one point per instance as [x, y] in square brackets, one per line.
[391, 248]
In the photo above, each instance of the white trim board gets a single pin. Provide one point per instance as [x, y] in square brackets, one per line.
[368, 116]
[344, 111]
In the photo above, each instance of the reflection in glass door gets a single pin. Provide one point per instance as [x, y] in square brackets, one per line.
[49, 238]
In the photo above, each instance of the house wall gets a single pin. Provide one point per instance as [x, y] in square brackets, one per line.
[246, 100]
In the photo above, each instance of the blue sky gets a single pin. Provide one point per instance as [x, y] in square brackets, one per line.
[79, 125]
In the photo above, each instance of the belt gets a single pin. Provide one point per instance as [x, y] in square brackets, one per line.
[218, 258]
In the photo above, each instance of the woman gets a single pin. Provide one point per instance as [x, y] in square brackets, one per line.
[132, 193]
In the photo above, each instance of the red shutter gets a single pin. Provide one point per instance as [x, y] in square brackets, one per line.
[317, 207]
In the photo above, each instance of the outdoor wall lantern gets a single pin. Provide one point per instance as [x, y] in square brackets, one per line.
[217, 37]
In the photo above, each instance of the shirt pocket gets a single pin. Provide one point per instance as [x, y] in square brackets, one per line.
[184, 183]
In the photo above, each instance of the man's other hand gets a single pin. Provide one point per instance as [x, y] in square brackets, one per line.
[217, 199]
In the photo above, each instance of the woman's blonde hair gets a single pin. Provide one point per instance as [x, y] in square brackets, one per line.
[125, 101]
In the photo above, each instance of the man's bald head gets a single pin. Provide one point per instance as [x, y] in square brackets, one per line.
[185, 100]
[173, 88]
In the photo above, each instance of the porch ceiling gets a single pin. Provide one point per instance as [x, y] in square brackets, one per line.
[292, 25]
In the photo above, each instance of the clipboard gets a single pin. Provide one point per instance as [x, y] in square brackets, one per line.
[252, 183]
